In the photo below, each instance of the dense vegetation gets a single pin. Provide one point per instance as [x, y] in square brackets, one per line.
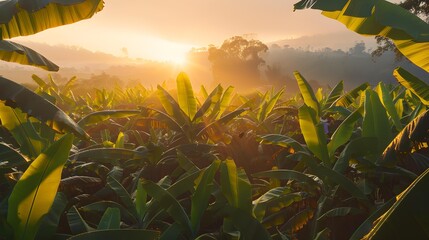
[213, 164]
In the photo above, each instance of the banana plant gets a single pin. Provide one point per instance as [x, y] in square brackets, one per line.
[185, 117]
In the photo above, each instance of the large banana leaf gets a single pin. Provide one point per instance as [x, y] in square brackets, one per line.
[35, 191]
[307, 94]
[414, 133]
[387, 101]
[375, 120]
[313, 133]
[14, 52]
[414, 84]
[26, 17]
[334, 95]
[409, 216]
[29, 102]
[409, 33]
[96, 117]
[185, 95]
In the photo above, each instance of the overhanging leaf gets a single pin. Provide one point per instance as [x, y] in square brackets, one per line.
[17, 53]
[26, 17]
[29, 102]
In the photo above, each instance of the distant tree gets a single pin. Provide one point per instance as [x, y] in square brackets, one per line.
[237, 61]
[358, 49]
[418, 7]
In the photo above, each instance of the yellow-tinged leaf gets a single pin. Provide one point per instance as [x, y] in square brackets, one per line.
[35, 191]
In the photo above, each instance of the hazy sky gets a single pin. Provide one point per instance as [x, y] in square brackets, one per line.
[167, 29]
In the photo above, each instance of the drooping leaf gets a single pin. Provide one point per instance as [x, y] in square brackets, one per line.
[412, 83]
[9, 157]
[410, 205]
[17, 53]
[101, 206]
[185, 95]
[281, 140]
[109, 155]
[35, 192]
[96, 117]
[409, 33]
[171, 107]
[415, 132]
[122, 193]
[340, 212]
[286, 174]
[23, 17]
[29, 102]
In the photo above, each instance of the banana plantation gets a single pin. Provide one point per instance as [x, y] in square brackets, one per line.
[199, 163]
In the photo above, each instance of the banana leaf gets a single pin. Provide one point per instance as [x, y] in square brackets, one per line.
[118, 234]
[409, 33]
[35, 191]
[29, 102]
[111, 219]
[334, 95]
[96, 117]
[17, 53]
[403, 144]
[185, 95]
[414, 84]
[409, 216]
[27, 17]
[307, 94]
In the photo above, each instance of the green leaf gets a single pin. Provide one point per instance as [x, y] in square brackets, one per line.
[22, 130]
[29, 102]
[141, 200]
[122, 194]
[249, 227]
[409, 33]
[349, 98]
[101, 206]
[111, 219]
[307, 94]
[281, 140]
[387, 101]
[335, 94]
[100, 116]
[118, 234]
[210, 99]
[313, 133]
[201, 196]
[343, 133]
[414, 84]
[17, 53]
[340, 212]
[286, 174]
[403, 143]
[235, 186]
[9, 157]
[375, 120]
[272, 198]
[35, 191]
[50, 221]
[170, 205]
[28, 17]
[76, 223]
[366, 226]
[172, 107]
[410, 205]
[359, 147]
[185, 95]
[108, 155]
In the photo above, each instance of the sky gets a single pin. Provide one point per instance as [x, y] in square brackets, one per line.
[165, 30]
